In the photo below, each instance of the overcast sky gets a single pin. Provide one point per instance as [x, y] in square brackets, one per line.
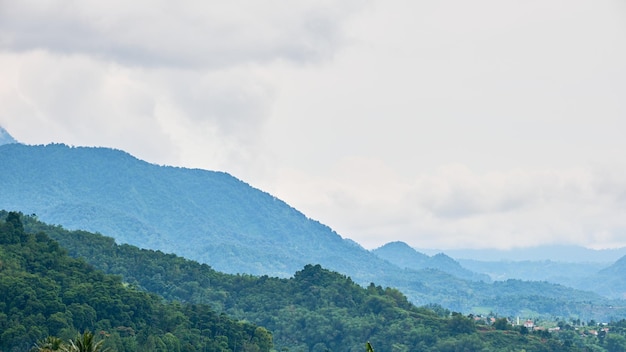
[444, 124]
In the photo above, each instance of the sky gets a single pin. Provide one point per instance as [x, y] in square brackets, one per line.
[444, 124]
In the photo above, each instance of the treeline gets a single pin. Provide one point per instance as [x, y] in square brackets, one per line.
[45, 292]
[315, 310]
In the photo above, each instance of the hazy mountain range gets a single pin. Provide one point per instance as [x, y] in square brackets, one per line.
[214, 218]
[557, 253]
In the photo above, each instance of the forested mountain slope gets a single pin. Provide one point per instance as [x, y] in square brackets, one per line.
[203, 215]
[44, 292]
[315, 310]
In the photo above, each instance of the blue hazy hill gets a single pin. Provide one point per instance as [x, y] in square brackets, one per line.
[5, 137]
[404, 256]
[203, 215]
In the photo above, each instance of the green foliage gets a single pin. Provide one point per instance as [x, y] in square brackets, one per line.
[616, 343]
[44, 292]
[315, 310]
[502, 324]
[50, 343]
[86, 342]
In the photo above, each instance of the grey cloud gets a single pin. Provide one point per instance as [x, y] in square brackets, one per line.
[191, 33]
[236, 102]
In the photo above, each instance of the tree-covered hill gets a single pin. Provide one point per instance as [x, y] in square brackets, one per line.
[316, 309]
[207, 216]
[44, 292]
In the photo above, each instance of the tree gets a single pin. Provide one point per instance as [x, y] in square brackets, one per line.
[85, 343]
[616, 343]
[48, 344]
[501, 324]
[460, 324]
[12, 230]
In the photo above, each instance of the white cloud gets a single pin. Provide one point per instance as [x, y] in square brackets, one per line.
[455, 207]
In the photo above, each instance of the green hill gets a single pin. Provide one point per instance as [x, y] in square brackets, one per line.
[44, 292]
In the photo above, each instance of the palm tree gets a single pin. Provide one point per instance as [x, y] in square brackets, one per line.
[85, 343]
[48, 344]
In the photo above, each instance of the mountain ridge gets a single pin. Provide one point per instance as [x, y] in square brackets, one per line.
[86, 187]
[557, 253]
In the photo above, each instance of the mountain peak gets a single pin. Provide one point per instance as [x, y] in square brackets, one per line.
[5, 137]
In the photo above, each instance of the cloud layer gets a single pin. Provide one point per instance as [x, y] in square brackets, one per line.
[444, 124]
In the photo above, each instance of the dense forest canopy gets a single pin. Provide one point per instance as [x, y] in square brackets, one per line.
[45, 293]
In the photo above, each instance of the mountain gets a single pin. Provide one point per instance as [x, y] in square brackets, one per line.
[203, 215]
[545, 270]
[5, 137]
[404, 256]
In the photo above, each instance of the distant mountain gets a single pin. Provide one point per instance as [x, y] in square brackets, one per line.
[404, 256]
[609, 282]
[545, 270]
[5, 137]
[555, 253]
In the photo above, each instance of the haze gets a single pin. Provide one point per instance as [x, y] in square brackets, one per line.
[448, 124]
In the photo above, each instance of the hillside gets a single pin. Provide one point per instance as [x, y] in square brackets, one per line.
[216, 219]
[403, 256]
[203, 215]
[44, 292]
[314, 310]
